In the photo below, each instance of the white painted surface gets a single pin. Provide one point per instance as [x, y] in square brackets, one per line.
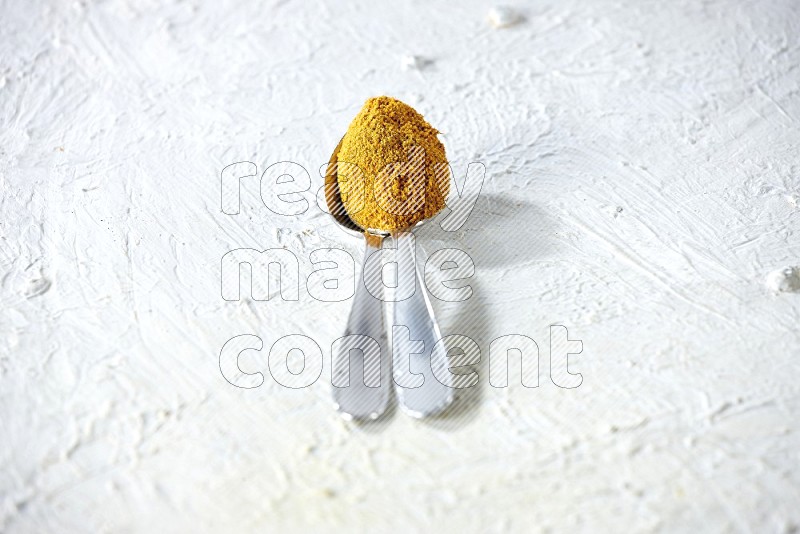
[643, 176]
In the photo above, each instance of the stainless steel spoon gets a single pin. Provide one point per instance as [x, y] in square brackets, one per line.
[420, 392]
[361, 383]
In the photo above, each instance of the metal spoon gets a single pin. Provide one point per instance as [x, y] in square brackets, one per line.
[364, 400]
[361, 384]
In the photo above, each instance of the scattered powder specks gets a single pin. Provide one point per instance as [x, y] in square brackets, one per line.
[502, 17]
[786, 280]
[414, 62]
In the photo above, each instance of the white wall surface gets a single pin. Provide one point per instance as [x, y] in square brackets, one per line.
[643, 179]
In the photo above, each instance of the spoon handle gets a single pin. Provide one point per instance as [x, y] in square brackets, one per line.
[416, 354]
[360, 362]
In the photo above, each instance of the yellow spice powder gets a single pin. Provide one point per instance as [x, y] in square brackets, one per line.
[391, 168]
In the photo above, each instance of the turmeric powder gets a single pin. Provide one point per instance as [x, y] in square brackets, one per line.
[391, 168]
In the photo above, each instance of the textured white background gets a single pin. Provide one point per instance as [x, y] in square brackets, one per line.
[643, 181]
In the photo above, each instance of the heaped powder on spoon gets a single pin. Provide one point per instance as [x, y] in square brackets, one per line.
[392, 170]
